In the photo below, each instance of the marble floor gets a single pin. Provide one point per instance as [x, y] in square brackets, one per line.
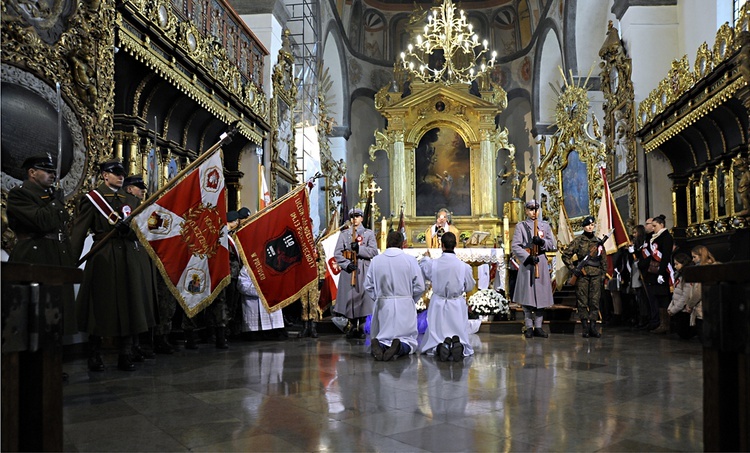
[628, 391]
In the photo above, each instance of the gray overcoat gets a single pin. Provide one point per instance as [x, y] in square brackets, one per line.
[538, 294]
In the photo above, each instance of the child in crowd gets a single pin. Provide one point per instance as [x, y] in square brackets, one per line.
[686, 296]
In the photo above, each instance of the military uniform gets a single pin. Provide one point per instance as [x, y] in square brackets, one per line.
[114, 297]
[589, 285]
[40, 223]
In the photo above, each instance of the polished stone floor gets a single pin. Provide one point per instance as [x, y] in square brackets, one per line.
[629, 391]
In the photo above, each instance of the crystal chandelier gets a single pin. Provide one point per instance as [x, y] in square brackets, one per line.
[448, 51]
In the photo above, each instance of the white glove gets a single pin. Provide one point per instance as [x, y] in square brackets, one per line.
[631, 249]
[660, 280]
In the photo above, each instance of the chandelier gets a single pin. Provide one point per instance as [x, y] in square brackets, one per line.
[448, 51]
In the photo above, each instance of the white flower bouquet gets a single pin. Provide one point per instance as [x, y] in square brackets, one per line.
[488, 302]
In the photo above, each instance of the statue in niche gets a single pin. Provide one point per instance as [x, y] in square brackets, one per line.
[743, 188]
[621, 143]
[364, 184]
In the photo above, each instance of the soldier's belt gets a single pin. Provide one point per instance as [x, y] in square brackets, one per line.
[59, 237]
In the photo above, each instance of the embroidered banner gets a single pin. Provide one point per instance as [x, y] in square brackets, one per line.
[277, 247]
[185, 233]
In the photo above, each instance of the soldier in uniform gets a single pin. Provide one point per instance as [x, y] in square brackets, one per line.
[135, 186]
[36, 213]
[351, 301]
[533, 289]
[589, 267]
[113, 296]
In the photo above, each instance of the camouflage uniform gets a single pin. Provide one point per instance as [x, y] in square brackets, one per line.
[588, 286]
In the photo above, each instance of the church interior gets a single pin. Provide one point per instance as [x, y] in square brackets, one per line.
[404, 108]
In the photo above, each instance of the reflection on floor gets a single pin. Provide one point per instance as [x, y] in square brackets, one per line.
[626, 392]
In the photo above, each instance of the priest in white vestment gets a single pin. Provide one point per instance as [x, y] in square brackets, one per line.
[394, 281]
[447, 332]
[254, 314]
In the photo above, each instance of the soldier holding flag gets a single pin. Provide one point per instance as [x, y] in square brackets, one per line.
[111, 301]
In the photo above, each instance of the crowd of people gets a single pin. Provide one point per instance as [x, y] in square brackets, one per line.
[123, 296]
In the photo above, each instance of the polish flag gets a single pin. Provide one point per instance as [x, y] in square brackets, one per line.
[564, 237]
[265, 196]
[609, 219]
[331, 283]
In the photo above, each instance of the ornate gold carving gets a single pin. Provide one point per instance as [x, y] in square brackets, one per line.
[619, 114]
[572, 135]
[283, 102]
[680, 79]
[71, 43]
[435, 105]
[160, 65]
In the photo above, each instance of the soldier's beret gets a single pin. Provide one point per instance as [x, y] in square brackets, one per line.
[43, 162]
[134, 180]
[354, 212]
[532, 204]
[588, 220]
[244, 213]
[232, 216]
[113, 166]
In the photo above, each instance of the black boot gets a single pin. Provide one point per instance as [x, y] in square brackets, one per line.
[190, 342]
[95, 358]
[124, 363]
[305, 332]
[351, 328]
[585, 328]
[313, 331]
[221, 339]
[592, 330]
[162, 346]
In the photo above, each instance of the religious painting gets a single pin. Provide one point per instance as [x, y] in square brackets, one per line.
[692, 197]
[153, 171]
[575, 186]
[623, 207]
[173, 167]
[283, 187]
[721, 192]
[442, 167]
[706, 198]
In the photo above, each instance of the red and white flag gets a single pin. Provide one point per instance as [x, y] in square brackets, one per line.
[185, 233]
[264, 198]
[278, 248]
[609, 219]
[331, 283]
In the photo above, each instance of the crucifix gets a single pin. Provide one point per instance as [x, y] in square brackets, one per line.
[371, 190]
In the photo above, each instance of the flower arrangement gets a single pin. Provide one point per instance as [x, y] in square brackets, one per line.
[464, 236]
[422, 238]
[489, 302]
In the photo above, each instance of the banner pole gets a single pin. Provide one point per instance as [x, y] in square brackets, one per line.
[224, 139]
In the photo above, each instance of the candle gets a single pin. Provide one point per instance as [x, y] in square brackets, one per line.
[383, 226]
[506, 234]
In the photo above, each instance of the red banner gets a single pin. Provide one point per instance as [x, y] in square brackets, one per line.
[185, 233]
[278, 248]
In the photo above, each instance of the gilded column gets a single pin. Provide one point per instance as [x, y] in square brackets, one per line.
[484, 178]
[400, 192]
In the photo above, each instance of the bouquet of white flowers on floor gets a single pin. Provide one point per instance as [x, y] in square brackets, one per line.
[488, 302]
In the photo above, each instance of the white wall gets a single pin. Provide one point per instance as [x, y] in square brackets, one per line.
[591, 29]
[549, 73]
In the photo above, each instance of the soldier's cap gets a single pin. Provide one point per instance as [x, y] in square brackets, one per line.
[113, 166]
[43, 162]
[588, 220]
[134, 180]
[356, 212]
[232, 216]
[244, 213]
[532, 204]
